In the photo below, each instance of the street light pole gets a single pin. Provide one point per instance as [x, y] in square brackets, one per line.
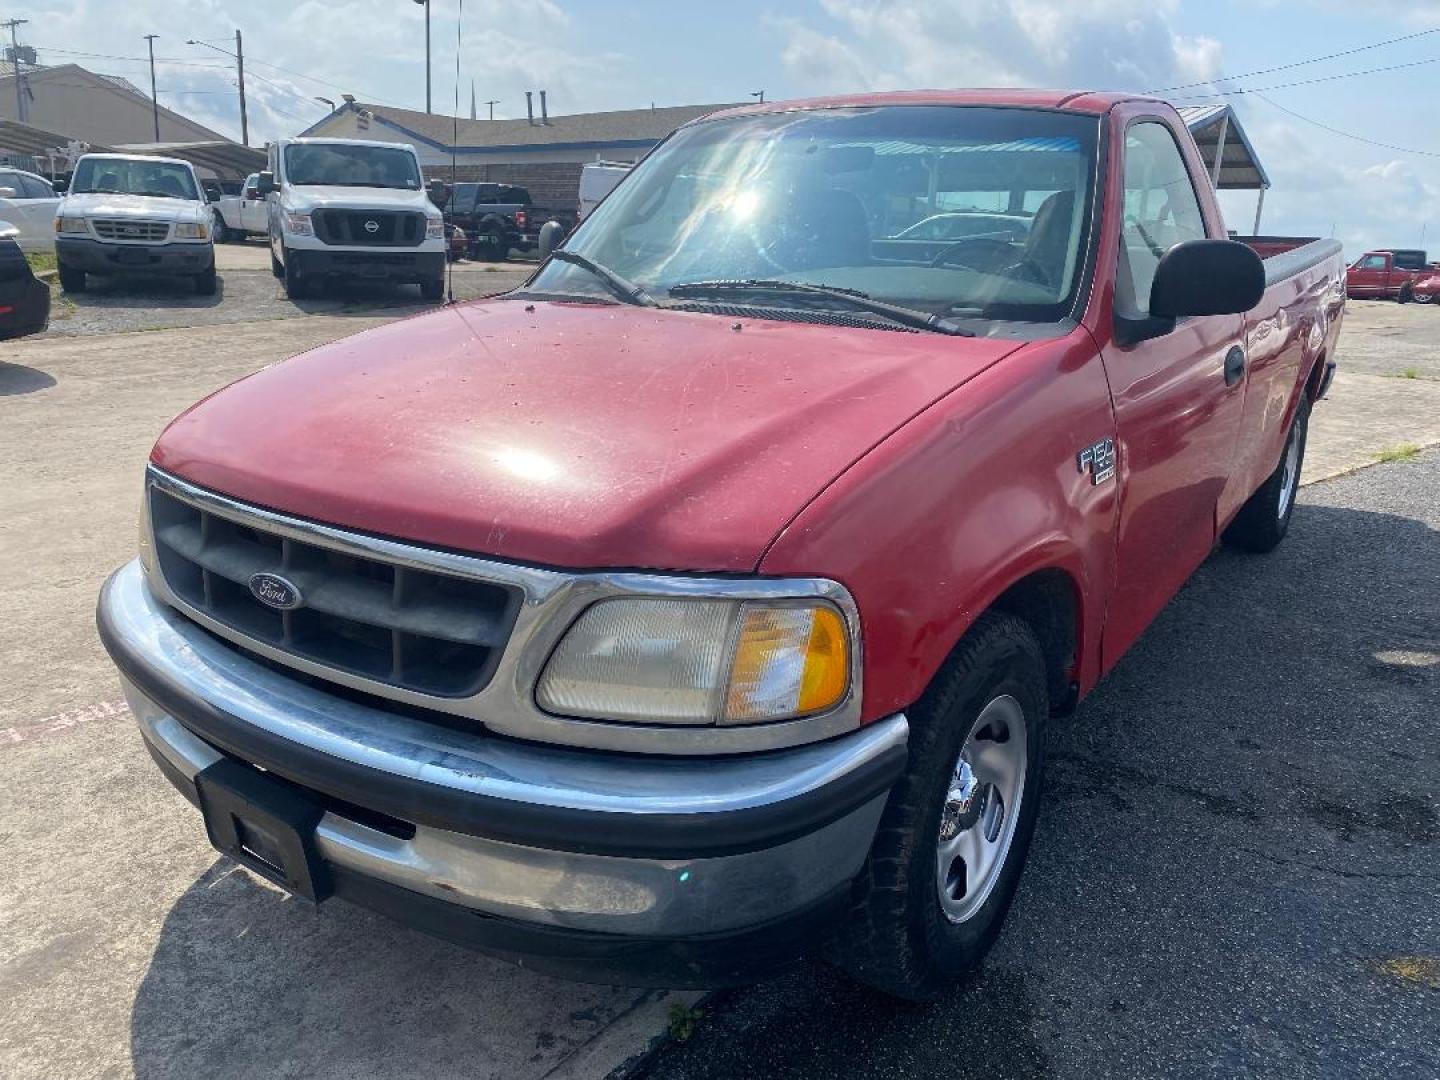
[154, 95]
[240, 67]
[15, 53]
[426, 5]
[492, 103]
[239, 55]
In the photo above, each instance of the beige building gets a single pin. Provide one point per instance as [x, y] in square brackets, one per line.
[94, 108]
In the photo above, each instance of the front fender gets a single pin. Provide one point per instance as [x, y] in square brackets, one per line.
[974, 494]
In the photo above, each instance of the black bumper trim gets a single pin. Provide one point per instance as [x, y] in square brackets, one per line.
[585, 831]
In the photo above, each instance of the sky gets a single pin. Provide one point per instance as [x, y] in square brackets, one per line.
[594, 55]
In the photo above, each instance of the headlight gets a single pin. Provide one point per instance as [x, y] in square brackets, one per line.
[699, 661]
[190, 230]
[70, 225]
[298, 224]
[435, 229]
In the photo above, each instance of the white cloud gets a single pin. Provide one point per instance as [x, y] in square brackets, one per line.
[1097, 44]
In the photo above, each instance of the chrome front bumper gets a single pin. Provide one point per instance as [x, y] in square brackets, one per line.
[581, 842]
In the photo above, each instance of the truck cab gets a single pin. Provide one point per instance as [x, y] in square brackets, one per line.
[351, 209]
[126, 214]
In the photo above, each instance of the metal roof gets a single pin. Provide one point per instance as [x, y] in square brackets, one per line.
[226, 159]
[1240, 166]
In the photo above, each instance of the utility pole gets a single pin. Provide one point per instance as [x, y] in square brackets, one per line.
[758, 94]
[426, 5]
[15, 63]
[240, 67]
[472, 99]
[492, 103]
[154, 95]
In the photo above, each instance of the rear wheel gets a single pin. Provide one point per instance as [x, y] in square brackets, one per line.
[956, 829]
[1407, 293]
[71, 280]
[1265, 518]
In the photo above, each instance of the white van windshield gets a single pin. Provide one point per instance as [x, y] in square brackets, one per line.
[345, 165]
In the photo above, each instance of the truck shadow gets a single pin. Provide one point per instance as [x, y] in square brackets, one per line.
[1255, 778]
[246, 982]
[17, 379]
[144, 292]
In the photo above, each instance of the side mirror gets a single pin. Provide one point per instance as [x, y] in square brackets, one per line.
[265, 183]
[8, 193]
[439, 192]
[1197, 277]
[551, 234]
[60, 186]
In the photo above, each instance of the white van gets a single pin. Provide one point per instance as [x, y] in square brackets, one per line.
[347, 208]
[598, 179]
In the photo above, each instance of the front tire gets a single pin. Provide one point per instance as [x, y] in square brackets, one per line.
[276, 267]
[1265, 518]
[222, 231]
[71, 280]
[296, 287]
[207, 283]
[933, 894]
[433, 291]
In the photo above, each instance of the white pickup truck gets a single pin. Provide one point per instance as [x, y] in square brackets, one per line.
[247, 214]
[346, 208]
[132, 214]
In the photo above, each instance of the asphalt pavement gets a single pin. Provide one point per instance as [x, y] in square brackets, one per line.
[1238, 861]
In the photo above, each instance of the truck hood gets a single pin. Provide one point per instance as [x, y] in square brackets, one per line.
[99, 204]
[302, 197]
[571, 435]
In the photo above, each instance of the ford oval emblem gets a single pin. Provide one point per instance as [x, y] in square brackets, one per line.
[276, 592]
[372, 226]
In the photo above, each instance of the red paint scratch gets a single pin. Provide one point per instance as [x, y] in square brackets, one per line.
[62, 722]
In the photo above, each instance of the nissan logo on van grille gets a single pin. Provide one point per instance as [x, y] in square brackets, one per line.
[372, 226]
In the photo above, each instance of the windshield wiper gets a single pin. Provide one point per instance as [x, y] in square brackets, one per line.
[624, 288]
[912, 317]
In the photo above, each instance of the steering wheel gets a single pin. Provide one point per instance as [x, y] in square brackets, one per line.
[989, 253]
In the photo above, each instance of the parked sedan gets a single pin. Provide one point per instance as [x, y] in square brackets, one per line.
[28, 202]
[24, 301]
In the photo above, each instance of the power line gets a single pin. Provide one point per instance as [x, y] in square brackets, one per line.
[1347, 134]
[1308, 82]
[1302, 63]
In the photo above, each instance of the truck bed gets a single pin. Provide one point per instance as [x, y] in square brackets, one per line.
[1286, 256]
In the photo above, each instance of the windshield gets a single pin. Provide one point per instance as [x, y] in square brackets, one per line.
[347, 165]
[135, 176]
[955, 211]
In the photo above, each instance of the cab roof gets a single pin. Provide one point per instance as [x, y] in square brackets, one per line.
[1083, 101]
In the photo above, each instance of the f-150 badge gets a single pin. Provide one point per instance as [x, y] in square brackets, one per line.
[1098, 460]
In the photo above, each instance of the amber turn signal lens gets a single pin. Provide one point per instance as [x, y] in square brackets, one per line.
[788, 661]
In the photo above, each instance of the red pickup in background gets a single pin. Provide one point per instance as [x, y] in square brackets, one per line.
[1402, 275]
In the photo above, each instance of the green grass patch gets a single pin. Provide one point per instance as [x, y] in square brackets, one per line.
[40, 260]
[683, 1021]
[1399, 452]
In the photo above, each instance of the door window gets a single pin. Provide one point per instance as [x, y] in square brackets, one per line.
[12, 180]
[32, 187]
[1373, 262]
[1161, 210]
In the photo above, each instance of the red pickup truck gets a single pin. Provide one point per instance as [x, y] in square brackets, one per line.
[708, 598]
[1393, 275]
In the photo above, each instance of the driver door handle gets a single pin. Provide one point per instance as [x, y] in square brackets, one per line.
[1234, 365]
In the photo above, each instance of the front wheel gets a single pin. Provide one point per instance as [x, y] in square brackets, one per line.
[222, 231]
[956, 829]
[433, 291]
[1265, 518]
[71, 280]
[296, 287]
[206, 283]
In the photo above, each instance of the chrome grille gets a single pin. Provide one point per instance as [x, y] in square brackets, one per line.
[130, 229]
[418, 630]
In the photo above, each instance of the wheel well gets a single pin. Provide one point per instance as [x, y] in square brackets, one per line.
[1317, 373]
[1047, 601]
